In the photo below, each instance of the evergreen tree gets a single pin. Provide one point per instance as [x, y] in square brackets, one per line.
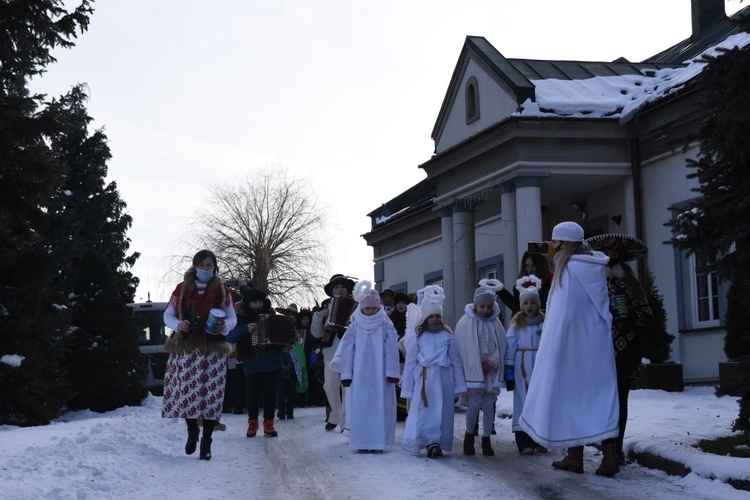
[717, 226]
[658, 341]
[35, 317]
[104, 365]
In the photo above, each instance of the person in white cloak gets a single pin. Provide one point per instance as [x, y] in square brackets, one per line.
[369, 372]
[524, 334]
[481, 348]
[432, 377]
[572, 400]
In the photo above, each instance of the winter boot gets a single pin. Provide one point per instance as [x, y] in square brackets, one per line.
[609, 466]
[572, 462]
[193, 433]
[205, 448]
[487, 450]
[252, 427]
[468, 443]
[268, 429]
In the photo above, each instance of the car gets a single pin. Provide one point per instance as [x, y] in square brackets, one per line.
[152, 334]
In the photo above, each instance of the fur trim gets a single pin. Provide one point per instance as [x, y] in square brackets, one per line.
[527, 283]
[491, 285]
[181, 342]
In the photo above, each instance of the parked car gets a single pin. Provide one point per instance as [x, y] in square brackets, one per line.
[152, 333]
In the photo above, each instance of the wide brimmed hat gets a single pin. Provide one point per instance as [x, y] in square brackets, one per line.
[339, 279]
[627, 247]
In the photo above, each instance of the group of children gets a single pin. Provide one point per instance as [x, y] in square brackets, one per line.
[476, 359]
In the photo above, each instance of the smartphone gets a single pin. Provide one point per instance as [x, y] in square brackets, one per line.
[231, 283]
[538, 248]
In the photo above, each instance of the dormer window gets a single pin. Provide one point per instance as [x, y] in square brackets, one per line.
[472, 100]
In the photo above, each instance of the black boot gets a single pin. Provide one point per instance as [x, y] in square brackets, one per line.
[468, 443]
[487, 450]
[205, 448]
[193, 433]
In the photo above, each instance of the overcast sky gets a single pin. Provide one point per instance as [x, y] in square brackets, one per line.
[342, 93]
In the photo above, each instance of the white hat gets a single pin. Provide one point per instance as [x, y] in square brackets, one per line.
[528, 287]
[567, 231]
[432, 301]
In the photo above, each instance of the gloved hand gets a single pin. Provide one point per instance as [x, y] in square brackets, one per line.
[392, 380]
[486, 366]
[346, 382]
[510, 384]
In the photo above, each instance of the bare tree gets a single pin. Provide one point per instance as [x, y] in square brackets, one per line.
[267, 229]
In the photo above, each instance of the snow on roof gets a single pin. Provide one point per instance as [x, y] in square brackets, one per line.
[615, 96]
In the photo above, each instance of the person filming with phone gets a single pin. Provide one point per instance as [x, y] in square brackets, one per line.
[535, 261]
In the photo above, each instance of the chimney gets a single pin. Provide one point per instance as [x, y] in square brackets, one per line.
[705, 14]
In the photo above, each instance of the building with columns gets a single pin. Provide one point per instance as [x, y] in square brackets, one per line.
[521, 145]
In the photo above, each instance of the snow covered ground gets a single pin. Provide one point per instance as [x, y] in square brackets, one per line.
[133, 453]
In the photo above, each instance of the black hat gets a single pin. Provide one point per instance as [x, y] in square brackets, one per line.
[302, 313]
[387, 291]
[252, 294]
[339, 279]
[400, 297]
[627, 247]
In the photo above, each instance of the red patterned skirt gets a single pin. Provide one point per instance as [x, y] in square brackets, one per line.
[194, 385]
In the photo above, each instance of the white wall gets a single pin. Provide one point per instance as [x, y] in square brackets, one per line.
[494, 105]
[411, 266]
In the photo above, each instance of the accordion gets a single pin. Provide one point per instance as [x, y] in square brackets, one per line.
[339, 312]
[274, 331]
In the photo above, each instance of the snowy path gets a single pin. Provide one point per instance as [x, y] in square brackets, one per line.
[133, 453]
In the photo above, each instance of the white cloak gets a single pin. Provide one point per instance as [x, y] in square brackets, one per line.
[369, 354]
[431, 363]
[521, 353]
[470, 344]
[572, 399]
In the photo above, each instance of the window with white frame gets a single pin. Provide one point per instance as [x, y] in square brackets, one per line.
[704, 292]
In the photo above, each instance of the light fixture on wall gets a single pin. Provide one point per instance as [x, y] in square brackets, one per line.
[580, 206]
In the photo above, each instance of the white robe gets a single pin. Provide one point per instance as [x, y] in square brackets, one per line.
[369, 354]
[431, 360]
[521, 353]
[573, 398]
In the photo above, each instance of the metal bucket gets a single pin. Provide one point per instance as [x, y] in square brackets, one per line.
[215, 318]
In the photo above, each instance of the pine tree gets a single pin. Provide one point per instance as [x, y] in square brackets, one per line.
[34, 315]
[658, 340]
[717, 226]
[104, 366]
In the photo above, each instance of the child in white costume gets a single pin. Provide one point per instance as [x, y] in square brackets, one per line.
[432, 377]
[523, 338]
[481, 347]
[369, 372]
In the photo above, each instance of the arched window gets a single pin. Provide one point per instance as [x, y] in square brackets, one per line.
[472, 100]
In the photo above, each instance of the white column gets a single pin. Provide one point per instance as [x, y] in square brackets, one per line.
[446, 246]
[528, 211]
[509, 246]
[464, 262]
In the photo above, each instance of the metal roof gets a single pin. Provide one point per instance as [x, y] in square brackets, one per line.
[580, 70]
[689, 48]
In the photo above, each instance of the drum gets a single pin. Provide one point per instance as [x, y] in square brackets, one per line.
[274, 330]
[339, 312]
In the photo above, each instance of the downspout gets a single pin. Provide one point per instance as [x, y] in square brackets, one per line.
[635, 165]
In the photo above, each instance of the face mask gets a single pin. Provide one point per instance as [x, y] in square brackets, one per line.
[204, 274]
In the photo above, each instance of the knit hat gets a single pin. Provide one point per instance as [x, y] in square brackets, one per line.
[567, 231]
[528, 287]
[432, 303]
[253, 294]
[339, 279]
[366, 295]
[487, 291]
[400, 297]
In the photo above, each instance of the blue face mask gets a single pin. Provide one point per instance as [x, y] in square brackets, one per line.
[204, 274]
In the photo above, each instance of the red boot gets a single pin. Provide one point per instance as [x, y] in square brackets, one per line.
[268, 429]
[252, 427]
